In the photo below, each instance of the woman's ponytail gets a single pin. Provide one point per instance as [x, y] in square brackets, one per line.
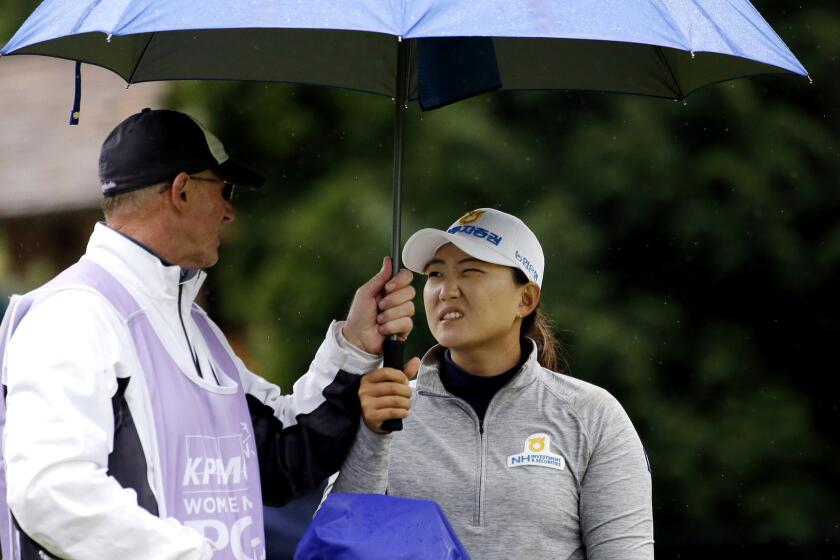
[550, 352]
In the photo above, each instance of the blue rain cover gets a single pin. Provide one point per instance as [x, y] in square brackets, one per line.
[375, 527]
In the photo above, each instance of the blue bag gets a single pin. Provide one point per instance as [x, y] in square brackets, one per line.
[375, 527]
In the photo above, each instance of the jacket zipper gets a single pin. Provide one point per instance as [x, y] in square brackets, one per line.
[482, 460]
[478, 517]
[481, 452]
[186, 336]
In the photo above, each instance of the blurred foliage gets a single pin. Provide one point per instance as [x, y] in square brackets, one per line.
[692, 253]
[12, 14]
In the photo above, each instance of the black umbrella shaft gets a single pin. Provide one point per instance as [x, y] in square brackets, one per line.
[393, 347]
[399, 119]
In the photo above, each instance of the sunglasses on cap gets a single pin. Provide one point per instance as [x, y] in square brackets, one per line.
[228, 188]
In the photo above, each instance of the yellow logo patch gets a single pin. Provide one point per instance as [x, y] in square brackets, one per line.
[471, 217]
[536, 444]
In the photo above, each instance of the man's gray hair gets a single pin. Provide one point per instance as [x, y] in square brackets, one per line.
[131, 202]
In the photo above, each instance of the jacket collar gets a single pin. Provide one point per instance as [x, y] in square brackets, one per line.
[428, 379]
[140, 269]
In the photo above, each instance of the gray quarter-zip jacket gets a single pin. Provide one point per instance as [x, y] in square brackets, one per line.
[556, 470]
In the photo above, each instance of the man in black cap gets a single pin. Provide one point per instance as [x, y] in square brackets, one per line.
[132, 430]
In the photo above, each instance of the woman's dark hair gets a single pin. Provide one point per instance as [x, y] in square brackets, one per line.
[550, 352]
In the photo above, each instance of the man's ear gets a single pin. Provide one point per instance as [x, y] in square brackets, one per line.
[178, 191]
[529, 300]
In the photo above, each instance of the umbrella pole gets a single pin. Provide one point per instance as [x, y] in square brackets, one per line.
[399, 119]
[393, 347]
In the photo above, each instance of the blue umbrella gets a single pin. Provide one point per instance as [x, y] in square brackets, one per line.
[665, 48]
[435, 51]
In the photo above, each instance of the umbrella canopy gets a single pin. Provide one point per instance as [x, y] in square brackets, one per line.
[665, 48]
[437, 51]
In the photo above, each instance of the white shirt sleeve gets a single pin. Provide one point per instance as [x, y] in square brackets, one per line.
[334, 354]
[304, 436]
[61, 368]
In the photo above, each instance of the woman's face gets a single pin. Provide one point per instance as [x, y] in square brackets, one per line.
[470, 303]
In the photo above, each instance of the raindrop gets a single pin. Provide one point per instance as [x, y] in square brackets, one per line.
[684, 102]
[692, 55]
[810, 80]
[108, 38]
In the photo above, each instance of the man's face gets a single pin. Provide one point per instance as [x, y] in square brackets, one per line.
[204, 217]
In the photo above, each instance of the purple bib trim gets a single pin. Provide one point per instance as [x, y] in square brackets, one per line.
[88, 273]
[209, 468]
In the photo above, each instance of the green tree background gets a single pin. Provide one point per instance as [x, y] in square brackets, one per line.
[692, 253]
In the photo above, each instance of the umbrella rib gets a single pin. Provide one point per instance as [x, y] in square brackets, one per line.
[661, 54]
[140, 59]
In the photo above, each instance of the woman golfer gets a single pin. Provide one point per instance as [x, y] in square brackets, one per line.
[526, 462]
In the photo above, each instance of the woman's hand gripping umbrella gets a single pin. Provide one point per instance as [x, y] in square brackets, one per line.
[384, 394]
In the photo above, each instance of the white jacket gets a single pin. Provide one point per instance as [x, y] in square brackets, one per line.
[61, 369]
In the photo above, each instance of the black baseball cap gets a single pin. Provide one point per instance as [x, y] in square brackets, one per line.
[153, 146]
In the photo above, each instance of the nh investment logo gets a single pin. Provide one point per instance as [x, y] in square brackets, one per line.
[537, 453]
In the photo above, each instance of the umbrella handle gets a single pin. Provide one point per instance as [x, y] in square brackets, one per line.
[393, 351]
